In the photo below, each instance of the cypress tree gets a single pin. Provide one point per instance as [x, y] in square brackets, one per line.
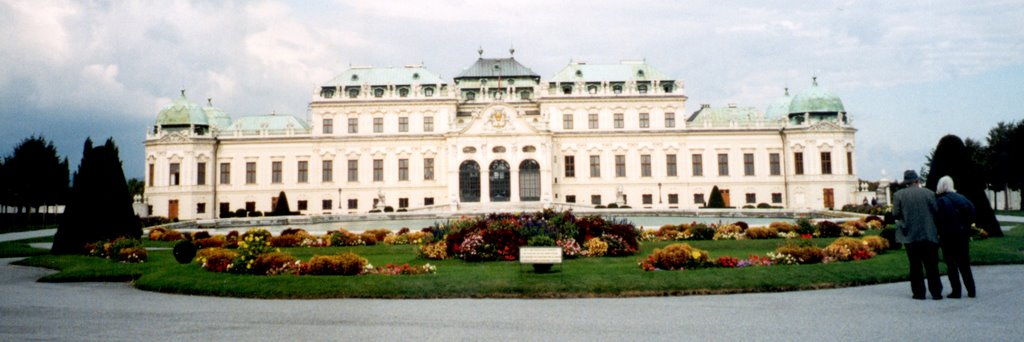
[100, 207]
[953, 159]
[281, 207]
[716, 200]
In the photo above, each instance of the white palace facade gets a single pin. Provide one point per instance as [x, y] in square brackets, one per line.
[499, 137]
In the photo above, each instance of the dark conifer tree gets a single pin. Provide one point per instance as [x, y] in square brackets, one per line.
[953, 159]
[281, 207]
[716, 200]
[100, 207]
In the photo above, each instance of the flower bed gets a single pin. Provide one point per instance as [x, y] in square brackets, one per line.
[681, 256]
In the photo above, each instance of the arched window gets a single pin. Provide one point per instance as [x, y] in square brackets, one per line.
[498, 149]
[353, 92]
[617, 89]
[469, 149]
[501, 187]
[469, 181]
[642, 89]
[567, 89]
[529, 148]
[428, 92]
[404, 92]
[667, 87]
[378, 92]
[592, 89]
[529, 181]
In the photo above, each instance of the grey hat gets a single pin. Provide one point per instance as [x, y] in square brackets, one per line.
[910, 176]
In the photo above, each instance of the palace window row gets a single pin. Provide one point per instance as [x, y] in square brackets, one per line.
[618, 121]
[621, 165]
[378, 125]
[301, 171]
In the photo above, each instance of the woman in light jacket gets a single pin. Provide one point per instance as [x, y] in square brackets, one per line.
[954, 219]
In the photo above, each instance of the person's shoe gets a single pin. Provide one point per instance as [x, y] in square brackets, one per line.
[954, 296]
[921, 297]
[939, 297]
[970, 295]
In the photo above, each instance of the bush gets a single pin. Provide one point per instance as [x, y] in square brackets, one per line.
[595, 247]
[273, 263]
[758, 233]
[540, 241]
[156, 233]
[202, 234]
[295, 231]
[389, 209]
[782, 227]
[701, 231]
[368, 239]
[728, 232]
[845, 249]
[871, 218]
[210, 242]
[378, 234]
[598, 206]
[241, 213]
[617, 246]
[829, 229]
[679, 256]
[764, 206]
[743, 225]
[877, 244]
[184, 252]
[437, 250]
[716, 200]
[216, 259]
[290, 240]
[132, 254]
[804, 227]
[748, 206]
[344, 264]
[613, 205]
[804, 254]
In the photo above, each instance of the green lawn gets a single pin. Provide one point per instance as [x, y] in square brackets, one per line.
[585, 277]
[1010, 212]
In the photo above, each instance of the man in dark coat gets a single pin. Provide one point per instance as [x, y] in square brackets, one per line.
[954, 219]
[914, 210]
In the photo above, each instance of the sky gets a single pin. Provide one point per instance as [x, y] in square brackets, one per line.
[908, 72]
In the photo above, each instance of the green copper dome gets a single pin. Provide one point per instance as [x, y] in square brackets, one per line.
[218, 118]
[182, 112]
[779, 108]
[816, 100]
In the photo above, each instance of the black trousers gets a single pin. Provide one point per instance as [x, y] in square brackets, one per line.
[924, 255]
[956, 252]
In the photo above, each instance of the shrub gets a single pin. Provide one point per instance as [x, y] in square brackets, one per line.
[379, 233]
[184, 252]
[873, 218]
[274, 263]
[255, 242]
[437, 250]
[209, 242]
[541, 241]
[241, 213]
[667, 232]
[758, 233]
[804, 254]
[804, 227]
[716, 200]
[389, 209]
[728, 232]
[369, 239]
[474, 248]
[570, 248]
[343, 264]
[743, 225]
[613, 205]
[290, 240]
[617, 246]
[700, 231]
[216, 259]
[783, 227]
[679, 256]
[134, 254]
[595, 247]
[344, 238]
[829, 229]
[877, 244]
[202, 234]
[294, 231]
[851, 230]
[764, 206]
[845, 249]
[156, 233]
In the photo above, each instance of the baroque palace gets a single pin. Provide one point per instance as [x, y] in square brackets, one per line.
[500, 137]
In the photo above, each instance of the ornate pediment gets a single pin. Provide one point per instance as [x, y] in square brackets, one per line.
[174, 138]
[824, 126]
[498, 119]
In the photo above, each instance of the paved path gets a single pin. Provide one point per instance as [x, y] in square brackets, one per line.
[27, 234]
[116, 311]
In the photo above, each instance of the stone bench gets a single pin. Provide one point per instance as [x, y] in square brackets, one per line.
[542, 258]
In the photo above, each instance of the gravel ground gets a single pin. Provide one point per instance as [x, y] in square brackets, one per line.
[118, 312]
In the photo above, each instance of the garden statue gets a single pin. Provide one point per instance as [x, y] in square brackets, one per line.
[620, 198]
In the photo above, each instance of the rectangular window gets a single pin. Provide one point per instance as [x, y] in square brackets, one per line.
[566, 121]
[774, 164]
[378, 170]
[826, 163]
[776, 197]
[647, 199]
[670, 120]
[353, 170]
[250, 173]
[353, 125]
[428, 169]
[353, 203]
[303, 205]
[275, 172]
[595, 199]
[620, 166]
[849, 163]
[175, 173]
[328, 171]
[225, 207]
[751, 198]
[798, 162]
[200, 208]
[403, 203]
[303, 171]
[378, 125]
[595, 166]
[326, 204]
[748, 164]
[403, 124]
[645, 165]
[200, 173]
[250, 206]
[403, 169]
[151, 174]
[592, 121]
[670, 165]
[698, 165]
[570, 166]
[225, 173]
[428, 201]
[673, 198]
[619, 121]
[723, 164]
[698, 199]
[570, 199]
[428, 124]
[328, 126]
[645, 120]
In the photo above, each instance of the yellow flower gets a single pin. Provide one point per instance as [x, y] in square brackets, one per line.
[695, 254]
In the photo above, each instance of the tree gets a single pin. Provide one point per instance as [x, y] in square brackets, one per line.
[34, 175]
[952, 159]
[281, 207]
[998, 160]
[136, 187]
[716, 200]
[100, 207]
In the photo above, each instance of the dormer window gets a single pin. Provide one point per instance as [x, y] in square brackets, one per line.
[617, 89]
[592, 89]
[524, 95]
[428, 92]
[641, 89]
[640, 74]
[567, 89]
[483, 81]
[327, 92]
[404, 92]
[379, 92]
[667, 87]
[353, 93]
[470, 96]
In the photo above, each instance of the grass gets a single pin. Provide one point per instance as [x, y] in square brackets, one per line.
[24, 228]
[21, 248]
[584, 277]
[1010, 212]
